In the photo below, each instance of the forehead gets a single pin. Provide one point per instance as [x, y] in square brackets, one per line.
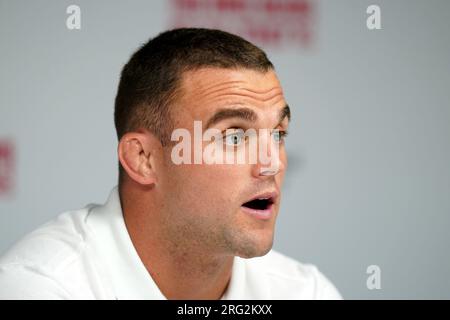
[205, 90]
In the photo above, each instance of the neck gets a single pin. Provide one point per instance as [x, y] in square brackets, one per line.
[180, 270]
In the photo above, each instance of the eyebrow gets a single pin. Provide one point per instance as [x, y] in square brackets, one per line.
[245, 114]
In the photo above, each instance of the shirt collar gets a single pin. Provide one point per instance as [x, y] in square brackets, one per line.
[127, 274]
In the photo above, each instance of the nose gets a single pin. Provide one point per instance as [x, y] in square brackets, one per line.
[268, 162]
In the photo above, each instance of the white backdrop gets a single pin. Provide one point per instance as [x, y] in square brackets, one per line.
[369, 178]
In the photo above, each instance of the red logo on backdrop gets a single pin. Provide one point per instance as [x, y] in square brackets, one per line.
[265, 22]
[6, 166]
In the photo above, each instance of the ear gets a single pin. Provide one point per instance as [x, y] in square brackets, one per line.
[137, 152]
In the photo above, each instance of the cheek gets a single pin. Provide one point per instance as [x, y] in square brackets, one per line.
[205, 188]
[218, 181]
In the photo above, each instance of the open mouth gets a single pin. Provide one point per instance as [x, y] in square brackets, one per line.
[259, 204]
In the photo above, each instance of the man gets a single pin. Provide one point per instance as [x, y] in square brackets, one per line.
[194, 229]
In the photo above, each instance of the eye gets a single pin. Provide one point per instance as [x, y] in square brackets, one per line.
[278, 136]
[235, 138]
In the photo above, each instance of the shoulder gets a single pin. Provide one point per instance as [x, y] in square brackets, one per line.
[291, 279]
[46, 262]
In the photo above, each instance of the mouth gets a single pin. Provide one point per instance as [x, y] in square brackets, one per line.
[260, 206]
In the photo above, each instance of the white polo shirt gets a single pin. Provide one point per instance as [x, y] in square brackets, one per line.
[88, 254]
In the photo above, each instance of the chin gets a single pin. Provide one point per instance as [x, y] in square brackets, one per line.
[254, 253]
[256, 247]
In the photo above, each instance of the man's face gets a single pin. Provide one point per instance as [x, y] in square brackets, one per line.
[208, 205]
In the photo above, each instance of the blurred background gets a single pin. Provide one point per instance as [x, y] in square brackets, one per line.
[368, 182]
